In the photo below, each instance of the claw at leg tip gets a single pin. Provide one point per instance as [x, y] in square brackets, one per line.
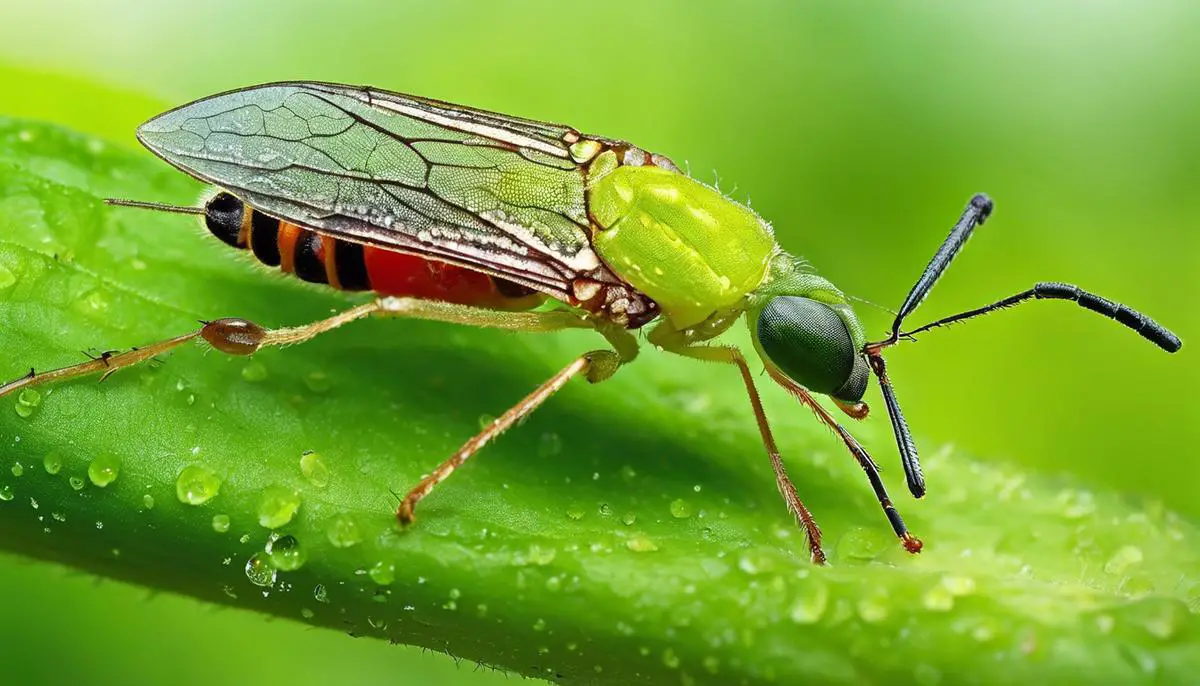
[912, 544]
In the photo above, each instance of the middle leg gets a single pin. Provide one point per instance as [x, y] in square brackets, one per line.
[731, 355]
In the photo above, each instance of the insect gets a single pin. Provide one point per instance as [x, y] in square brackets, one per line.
[459, 215]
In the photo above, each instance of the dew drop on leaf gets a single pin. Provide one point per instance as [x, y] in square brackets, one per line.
[313, 468]
[286, 552]
[277, 506]
[343, 531]
[254, 371]
[382, 573]
[680, 509]
[1122, 560]
[641, 544]
[260, 570]
[104, 470]
[52, 463]
[812, 599]
[28, 402]
[197, 484]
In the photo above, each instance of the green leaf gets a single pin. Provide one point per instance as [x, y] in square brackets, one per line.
[629, 532]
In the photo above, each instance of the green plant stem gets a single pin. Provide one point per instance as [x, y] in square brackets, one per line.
[627, 533]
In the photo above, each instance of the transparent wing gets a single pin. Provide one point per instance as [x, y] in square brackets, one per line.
[486, 191]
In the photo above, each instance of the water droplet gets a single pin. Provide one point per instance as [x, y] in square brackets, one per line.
[17, 469]
[28, 402]
[539, 625]
[812, 599]
[628, 518]
[220, 523]
[757, 562]
[382, 573]
[306, 613]
[873, 607]
[197, 484]
[1122, 560]
[277, 506]
[6, 493]
[554, 584]
[77, 483]
[670, 659]
[260, 571]
[313, 468]
[549, 445]
[317, 382]
[1076, 504]
[245, 538]
[254, 371]
[958, 585]
[104, 469]
[343, 531]
[680, 509]
[486, 420]
[641, 544]
[862, 544]
[148, 501]
[52, 463]
[286, 553]
[320, 594]
[938, 599]
[605, 510]
[575, 512]
[541, 555]
[7, 278]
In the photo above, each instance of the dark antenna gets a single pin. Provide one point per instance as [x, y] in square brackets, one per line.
[158, 206]
[977, 212]
[1051, 290]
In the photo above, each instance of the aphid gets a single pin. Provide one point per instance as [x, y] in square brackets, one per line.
[469, 217]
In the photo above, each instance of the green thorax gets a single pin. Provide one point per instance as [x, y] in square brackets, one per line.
[684, 244]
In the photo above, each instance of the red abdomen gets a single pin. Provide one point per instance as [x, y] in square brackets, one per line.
[354, 267]
[393, 273]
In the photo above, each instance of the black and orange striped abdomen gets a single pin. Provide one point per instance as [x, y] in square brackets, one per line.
[353, 267]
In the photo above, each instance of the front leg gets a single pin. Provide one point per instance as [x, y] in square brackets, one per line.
[680, 343]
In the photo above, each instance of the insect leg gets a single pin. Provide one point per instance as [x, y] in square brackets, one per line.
[598, 365]
[236, 336]
[230, 335]
[104, 364]
[911, 543]
[731, 355]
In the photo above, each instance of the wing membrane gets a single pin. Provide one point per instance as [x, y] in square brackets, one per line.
[490, 192]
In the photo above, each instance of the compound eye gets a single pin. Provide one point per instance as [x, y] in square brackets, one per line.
[223, 217]
[810, 343]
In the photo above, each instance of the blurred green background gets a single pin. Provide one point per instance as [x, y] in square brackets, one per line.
[859, 130]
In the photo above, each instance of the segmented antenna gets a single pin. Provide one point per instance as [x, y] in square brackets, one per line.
[1052, 290]
[157, 206]
[977, 212]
